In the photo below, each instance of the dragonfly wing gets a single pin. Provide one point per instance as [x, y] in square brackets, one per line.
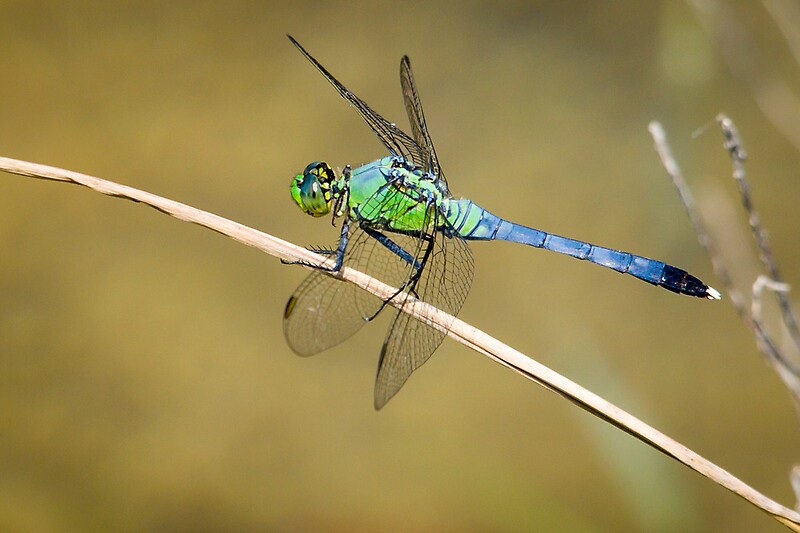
[445, 281]
[393, 138]
[416, 117]
[325, 311]
[322, 313]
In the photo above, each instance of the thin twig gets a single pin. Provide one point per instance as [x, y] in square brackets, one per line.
[764, 282]
[786, 372]
[733, 144]
[791, 378]
[764, 341]
[458, 329]
[786, 369]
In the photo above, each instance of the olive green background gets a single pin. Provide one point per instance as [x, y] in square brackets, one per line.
[144, 380]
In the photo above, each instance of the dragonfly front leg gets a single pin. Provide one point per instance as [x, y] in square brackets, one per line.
[339, 252]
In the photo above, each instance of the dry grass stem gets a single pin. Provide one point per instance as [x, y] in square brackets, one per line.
[458, 330]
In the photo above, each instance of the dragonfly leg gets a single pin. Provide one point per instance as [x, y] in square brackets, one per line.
[392, 246]
[408, 258]
[400, 252]
[339, 252]
[419, 267]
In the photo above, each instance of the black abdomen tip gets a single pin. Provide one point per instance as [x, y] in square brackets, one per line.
[680, 281]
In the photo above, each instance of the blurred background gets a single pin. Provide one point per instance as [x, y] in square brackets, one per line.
[144, 380]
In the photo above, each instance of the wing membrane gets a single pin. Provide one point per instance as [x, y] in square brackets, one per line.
[392, 137]
[325, 311]
[416, 117]
[444, 283]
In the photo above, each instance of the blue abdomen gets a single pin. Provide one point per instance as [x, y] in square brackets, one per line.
[472, 222]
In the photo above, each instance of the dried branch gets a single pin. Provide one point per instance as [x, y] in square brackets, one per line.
[733, 144]
[786, 368]
[458, 330]
[783, 365]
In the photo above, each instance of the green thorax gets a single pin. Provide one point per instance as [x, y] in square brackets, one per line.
[401, 198]
[389, 193]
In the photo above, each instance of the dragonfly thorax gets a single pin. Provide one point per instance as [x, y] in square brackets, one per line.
[315, 190]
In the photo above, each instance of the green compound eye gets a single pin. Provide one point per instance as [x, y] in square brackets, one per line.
[311, 190]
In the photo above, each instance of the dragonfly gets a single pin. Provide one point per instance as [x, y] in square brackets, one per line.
[400, 224]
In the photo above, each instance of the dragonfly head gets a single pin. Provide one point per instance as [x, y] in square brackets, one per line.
[311, 190]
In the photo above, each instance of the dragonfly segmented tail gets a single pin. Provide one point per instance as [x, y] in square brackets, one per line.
[475, 223]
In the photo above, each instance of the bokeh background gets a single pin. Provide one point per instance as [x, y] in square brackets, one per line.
[144, 380]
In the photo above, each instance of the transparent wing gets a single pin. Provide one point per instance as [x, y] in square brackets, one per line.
[416, 117]
[445, 281]
[395, 140]
[324, 311]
